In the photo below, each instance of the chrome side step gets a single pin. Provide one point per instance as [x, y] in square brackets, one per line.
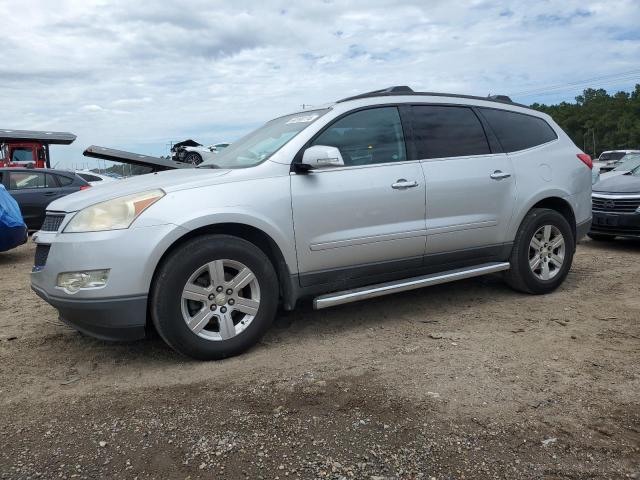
[371, 291]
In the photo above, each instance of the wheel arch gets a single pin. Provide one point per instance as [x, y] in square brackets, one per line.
[552, 202]
[250, 233]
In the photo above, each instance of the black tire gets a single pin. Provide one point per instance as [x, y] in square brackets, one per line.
[193, 158]
[520, 277]
[601, 237]
[173, 274]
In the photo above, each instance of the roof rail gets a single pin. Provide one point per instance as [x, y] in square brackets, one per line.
[404, 90]
[397, 90]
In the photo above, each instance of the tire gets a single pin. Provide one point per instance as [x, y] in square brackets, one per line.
[601, 237]
[523, 276]
[193, 158]
[187, 273]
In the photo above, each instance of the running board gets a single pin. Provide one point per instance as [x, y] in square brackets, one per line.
[371, 291]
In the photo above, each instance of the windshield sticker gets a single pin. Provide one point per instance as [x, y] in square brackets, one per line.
[304, 119]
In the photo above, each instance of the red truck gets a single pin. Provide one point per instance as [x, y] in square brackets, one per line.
[29, 148]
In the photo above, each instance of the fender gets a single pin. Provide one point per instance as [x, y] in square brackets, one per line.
[519, 215]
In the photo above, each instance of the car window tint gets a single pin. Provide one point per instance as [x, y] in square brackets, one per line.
[518, 131]
[64, 180]
[49, 181]
[367, 137]
[443, 131]
[26, 180]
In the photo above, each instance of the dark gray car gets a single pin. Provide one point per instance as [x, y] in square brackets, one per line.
[34, 189]
[616, 206]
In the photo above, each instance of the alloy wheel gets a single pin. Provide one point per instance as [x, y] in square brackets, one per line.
[546, 252]
[220, 299]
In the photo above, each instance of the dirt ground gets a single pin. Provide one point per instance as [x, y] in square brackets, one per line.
[466, 380]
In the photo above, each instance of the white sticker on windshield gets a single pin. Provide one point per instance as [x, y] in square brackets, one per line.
[304, 119]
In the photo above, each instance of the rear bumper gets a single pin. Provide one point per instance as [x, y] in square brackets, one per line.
[117, 319]
[620, 224]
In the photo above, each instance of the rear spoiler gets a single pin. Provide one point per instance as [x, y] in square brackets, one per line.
[155, 163]
[51, 138]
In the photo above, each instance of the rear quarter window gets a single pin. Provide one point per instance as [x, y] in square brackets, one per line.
[518, 131]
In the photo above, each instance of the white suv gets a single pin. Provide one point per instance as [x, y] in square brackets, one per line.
[378, 193]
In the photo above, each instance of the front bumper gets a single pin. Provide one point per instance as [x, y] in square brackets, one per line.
[117, 311]
[619, 224]
[114, 319]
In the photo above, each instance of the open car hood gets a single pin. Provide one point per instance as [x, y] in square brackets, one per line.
[53, 138]
[185, 143]
[155, 163]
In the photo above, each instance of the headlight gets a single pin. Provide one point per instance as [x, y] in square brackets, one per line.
[115, 214]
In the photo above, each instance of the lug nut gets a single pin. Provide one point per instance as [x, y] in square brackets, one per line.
[213, 308]
[219, 289]
[229, 291]
[212, 296]
[223, 309]
[231, 301]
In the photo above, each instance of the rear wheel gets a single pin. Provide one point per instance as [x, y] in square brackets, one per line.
[542, 253]
[214, 297]
[601, 237]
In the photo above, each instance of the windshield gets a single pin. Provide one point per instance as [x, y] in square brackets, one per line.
[260, 144]
[630, 162]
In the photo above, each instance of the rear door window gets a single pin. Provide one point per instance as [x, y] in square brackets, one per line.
[518, 131]
[447, 131]
[64, 181]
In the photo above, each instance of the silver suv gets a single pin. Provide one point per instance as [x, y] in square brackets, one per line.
[378, 193]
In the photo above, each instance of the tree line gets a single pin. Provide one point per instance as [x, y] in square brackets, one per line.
[598, 121]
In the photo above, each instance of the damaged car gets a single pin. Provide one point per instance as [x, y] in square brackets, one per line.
[190, 151]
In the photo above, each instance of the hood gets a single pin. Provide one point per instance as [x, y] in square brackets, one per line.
[185, 143]
[618, 184]
[169, 181]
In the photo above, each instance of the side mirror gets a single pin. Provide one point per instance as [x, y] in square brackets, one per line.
[321, 156]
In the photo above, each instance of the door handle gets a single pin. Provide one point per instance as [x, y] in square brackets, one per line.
[50, 194]
[499, 175]
[401, 184]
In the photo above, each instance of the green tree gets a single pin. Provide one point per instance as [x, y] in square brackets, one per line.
[613, 120]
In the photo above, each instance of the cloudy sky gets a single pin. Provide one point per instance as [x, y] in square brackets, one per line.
[138, 74]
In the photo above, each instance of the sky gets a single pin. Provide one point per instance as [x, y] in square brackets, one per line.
[136, 75]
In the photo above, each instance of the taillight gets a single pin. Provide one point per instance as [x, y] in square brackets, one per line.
[586, 159]
[84, 187]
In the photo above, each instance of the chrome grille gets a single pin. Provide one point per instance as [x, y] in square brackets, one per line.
[617, 205]
[52, 222]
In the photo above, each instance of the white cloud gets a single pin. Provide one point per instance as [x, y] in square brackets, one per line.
[136, 75]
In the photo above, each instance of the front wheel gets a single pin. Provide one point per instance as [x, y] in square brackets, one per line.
[214, 297]
[193, 158]
[542, 252]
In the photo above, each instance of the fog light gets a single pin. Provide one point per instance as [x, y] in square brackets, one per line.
[71, 282]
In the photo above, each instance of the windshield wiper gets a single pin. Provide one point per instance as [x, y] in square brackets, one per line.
[208, 165]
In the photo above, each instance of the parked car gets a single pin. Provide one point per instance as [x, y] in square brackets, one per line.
[378, 193]
[610, 158]
[616, 206]
[34, 189]
[190, 151]
[627, 164]
[93, 178]
[13, 231]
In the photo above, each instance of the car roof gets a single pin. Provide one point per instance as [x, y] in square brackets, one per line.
[32, 170]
